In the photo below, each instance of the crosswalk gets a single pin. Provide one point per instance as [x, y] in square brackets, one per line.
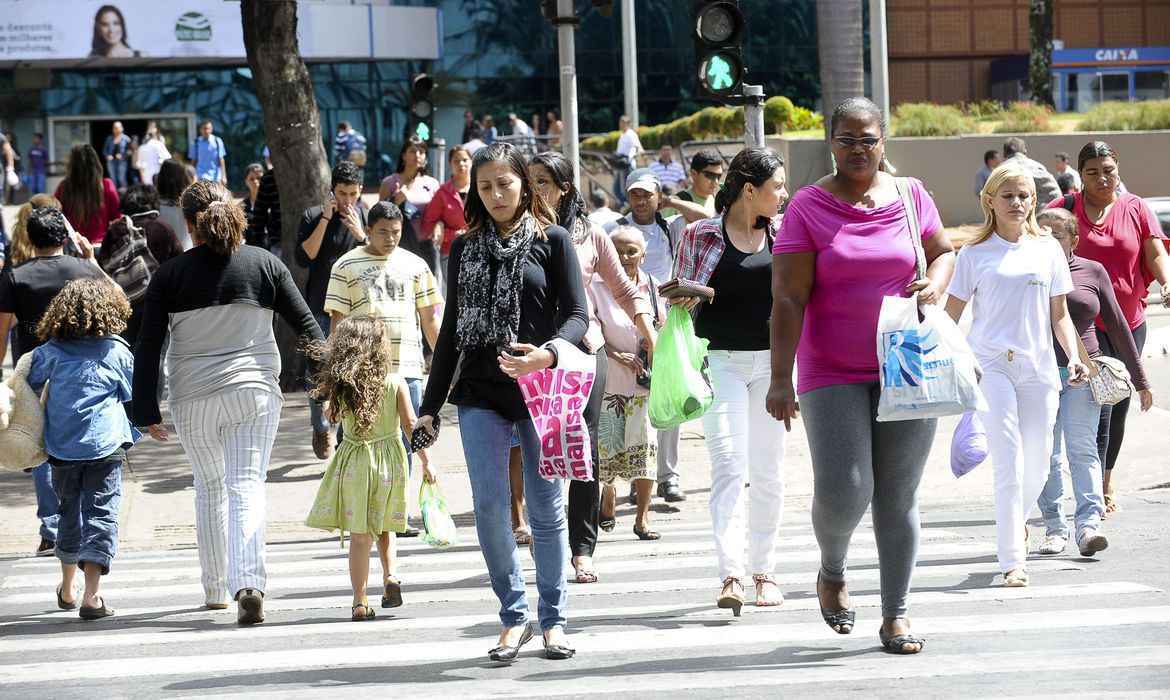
[648, 626]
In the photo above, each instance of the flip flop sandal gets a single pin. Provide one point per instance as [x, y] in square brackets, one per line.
[586, 575]
[897, 643]
[646, 534]
[607, 523]
[96, 613]
[367, 613]
[392, 595]
[61, 601]
[523, 537]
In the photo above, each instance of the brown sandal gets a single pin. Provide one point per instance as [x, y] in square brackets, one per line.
[763, 601]
[731, 596]
[367, 613]
[392, 595]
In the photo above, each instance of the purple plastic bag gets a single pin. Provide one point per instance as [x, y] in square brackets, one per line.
[968, 445]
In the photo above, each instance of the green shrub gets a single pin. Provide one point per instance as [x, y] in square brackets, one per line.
[1025, 118]
[927, 119]
[806, 119]
[778, 114]
[1127, 116]
[984, 109]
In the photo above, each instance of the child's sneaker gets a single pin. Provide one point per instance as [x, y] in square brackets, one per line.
[1090, 541]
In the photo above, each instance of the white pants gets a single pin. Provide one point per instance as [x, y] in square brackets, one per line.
[1021, 413]
[745, 443]
[228, 438]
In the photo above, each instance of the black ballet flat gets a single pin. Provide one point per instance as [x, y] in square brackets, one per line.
[558, 652]
[507, 654]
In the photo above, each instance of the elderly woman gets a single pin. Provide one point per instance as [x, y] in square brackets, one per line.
[851, 229]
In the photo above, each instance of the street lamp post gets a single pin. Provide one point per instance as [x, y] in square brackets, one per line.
[566, 22]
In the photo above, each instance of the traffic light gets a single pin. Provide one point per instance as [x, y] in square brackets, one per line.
[719, 26]
[422, 111]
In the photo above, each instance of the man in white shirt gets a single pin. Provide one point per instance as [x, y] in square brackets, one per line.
[519, 127]
[669, 171]
[151, 154]
[645, 192]
[1062, 167]
[628, 149]
[601, 215]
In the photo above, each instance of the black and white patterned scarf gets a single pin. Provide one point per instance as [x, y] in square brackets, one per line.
[489, 314]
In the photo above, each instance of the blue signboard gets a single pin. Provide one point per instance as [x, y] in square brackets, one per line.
[1113, 56]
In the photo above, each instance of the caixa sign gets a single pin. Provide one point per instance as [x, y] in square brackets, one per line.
[1124, 55]
[1116, 55]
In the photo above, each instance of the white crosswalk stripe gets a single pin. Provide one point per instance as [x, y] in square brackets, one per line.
[654, 601]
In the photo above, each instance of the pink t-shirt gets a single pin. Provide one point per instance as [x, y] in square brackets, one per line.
[1117, 243]
[862, 256]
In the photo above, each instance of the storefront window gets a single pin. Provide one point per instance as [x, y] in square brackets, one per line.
[1088, 89]
[1151, 86]
[1114, 87]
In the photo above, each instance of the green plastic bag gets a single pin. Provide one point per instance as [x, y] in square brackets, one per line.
[681, 387]
[438, 526]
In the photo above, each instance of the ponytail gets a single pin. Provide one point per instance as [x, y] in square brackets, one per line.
[751, 165]
[221, 227]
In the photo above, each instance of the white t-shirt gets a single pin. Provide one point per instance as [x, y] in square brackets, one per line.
[150, 159]
[659, 253]
[1010, 287]
[602, 217]
[521, 128]
[629, 145]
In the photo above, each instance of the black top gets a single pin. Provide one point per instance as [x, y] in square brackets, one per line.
[27, 289]
[738, 318]
[200, 279]
[337, 242]
[264, 216]
[1092, 298]
[552, 305]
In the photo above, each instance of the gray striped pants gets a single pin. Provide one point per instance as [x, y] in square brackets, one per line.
[228, 438]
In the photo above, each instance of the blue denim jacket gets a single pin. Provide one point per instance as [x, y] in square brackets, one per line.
[88, 379]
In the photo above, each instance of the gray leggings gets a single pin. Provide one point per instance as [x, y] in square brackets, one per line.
[857, 460]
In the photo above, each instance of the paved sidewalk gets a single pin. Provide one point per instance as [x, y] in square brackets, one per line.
[158, 500]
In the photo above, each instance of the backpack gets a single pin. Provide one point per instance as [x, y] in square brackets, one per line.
[130, 264]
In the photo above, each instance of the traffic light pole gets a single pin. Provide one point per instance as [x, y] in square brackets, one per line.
[630, 62]
[879, 55]
[753, 115]
[566, 22]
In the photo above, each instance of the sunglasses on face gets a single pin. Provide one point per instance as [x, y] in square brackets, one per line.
[868, 142]
[712, 176]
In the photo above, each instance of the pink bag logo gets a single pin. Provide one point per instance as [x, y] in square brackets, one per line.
[556, 399]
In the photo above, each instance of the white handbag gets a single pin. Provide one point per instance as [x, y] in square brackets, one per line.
[1112, 383]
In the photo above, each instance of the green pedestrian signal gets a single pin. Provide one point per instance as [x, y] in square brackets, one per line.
[719, 73]
[423, 131]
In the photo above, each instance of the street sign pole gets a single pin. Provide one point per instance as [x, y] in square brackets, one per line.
[630, 62]
[753, 115]
[566, 23]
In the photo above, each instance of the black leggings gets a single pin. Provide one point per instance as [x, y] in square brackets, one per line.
[585, 496]
[1111, 429]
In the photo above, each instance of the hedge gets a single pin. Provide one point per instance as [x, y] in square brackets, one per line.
[928, 119]
[1025, 118]
[1128, 116]
[713, 122]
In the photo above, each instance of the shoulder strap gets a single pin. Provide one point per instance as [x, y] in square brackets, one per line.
[903, 185]
[653, 296]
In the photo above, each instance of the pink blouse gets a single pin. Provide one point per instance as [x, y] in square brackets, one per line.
[620, 333]
[599, 262]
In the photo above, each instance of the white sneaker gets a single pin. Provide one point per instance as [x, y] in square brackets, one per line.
[1053, 544]
[1090, 541]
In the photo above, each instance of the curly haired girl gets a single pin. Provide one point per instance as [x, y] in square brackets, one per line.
[364, 488]
[87, 432]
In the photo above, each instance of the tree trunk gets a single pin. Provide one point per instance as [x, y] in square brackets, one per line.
[840, 38]
[292, 126]
[1040, 60]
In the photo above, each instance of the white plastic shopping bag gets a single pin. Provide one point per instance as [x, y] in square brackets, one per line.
[927, 370]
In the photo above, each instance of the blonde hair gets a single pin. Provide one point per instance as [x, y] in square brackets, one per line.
[1007, 171]
[21, 248]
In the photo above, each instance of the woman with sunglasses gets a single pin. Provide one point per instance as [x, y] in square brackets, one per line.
[1120, 231]
[843, 246]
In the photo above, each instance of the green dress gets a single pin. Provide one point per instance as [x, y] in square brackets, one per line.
[364, 488]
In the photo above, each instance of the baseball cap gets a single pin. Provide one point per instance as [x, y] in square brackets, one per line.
[643, 179]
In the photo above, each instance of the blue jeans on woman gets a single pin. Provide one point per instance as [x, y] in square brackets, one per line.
[90, 493]
[1077, 421]
[487, 437]
[46, 501]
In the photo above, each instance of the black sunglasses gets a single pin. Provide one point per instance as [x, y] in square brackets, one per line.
[713, 177]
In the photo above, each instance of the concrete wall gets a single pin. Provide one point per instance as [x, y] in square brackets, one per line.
[947, 165]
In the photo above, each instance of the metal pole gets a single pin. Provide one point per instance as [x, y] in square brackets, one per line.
[753, 115]
[630, 61]
[568, 60]
[440, 160]
[879, 59]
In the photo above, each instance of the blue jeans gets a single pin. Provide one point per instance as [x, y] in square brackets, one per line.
[118, 172]
[46, 501]
[316, 408]
[90, 493]
[415, 388]
[1077, 421]
[35, 183]
[487, 437]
